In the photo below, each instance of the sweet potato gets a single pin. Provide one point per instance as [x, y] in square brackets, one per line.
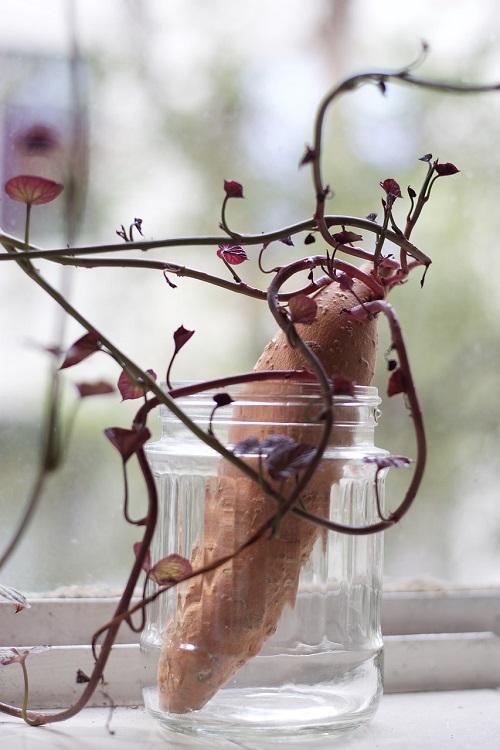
[224, 618]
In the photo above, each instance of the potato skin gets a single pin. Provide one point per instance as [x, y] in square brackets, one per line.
[225, 617]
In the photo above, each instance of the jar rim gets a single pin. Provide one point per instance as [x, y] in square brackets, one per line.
[241, 391]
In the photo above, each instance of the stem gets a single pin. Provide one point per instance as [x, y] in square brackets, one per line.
[27, 226]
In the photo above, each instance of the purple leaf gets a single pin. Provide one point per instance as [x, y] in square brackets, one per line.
[81, 349]
[222, 399]
[426, 158]
[372, 217]
[181, 337]
[100, 388]
[443, 170]
[397, 383]
[276, 441]
[392, 188]
[309, 156]
[286, 461]
[287, 241]
[233, 189]
[303, 309]
[342, 386]
[246, 446]
[345, 282]
[127, 442]
[345, 237]
[171, 569]
[386, 462]
[146, 565]
[232, 254]
[132, 388]
[310, 239]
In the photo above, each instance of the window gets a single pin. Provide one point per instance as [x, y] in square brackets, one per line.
[178, 100]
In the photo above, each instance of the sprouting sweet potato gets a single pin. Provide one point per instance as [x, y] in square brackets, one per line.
[224, 617]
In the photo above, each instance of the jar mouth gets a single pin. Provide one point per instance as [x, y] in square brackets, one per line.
[367, 394]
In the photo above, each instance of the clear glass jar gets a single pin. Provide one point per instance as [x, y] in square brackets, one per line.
[284, 640]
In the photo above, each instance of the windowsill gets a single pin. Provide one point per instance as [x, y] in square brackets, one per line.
[459, 720]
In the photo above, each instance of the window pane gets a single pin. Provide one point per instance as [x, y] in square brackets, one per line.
[174, 98]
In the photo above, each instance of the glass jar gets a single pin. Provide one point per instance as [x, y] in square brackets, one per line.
[283, 640]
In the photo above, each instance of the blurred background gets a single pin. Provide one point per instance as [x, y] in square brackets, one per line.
[143, 108]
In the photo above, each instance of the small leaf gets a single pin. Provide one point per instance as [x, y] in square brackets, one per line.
[397, 383]
[132, 388]
[391, 187]
[137, 223]
[81, 349]
[233, 189]
[303, 309]
[13, 655]
[247, 446]
[411, 192]
[171, 569]
[32, 190]
[345, 237]
[81, 677]
[286, 461]
[100, 388]
[181, 337]
[287, 241]
[146, 565]
[426, 158]
[386, 462]
[309, 156]
[232, 254]
[345, 282]
[222, 399]
[276, 441]
[443, 170]
[342, 386]
[127, 442]
[372, 217]
[14, 597]
[310, 239]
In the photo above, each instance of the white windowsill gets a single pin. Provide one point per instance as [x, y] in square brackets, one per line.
[460, 720]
